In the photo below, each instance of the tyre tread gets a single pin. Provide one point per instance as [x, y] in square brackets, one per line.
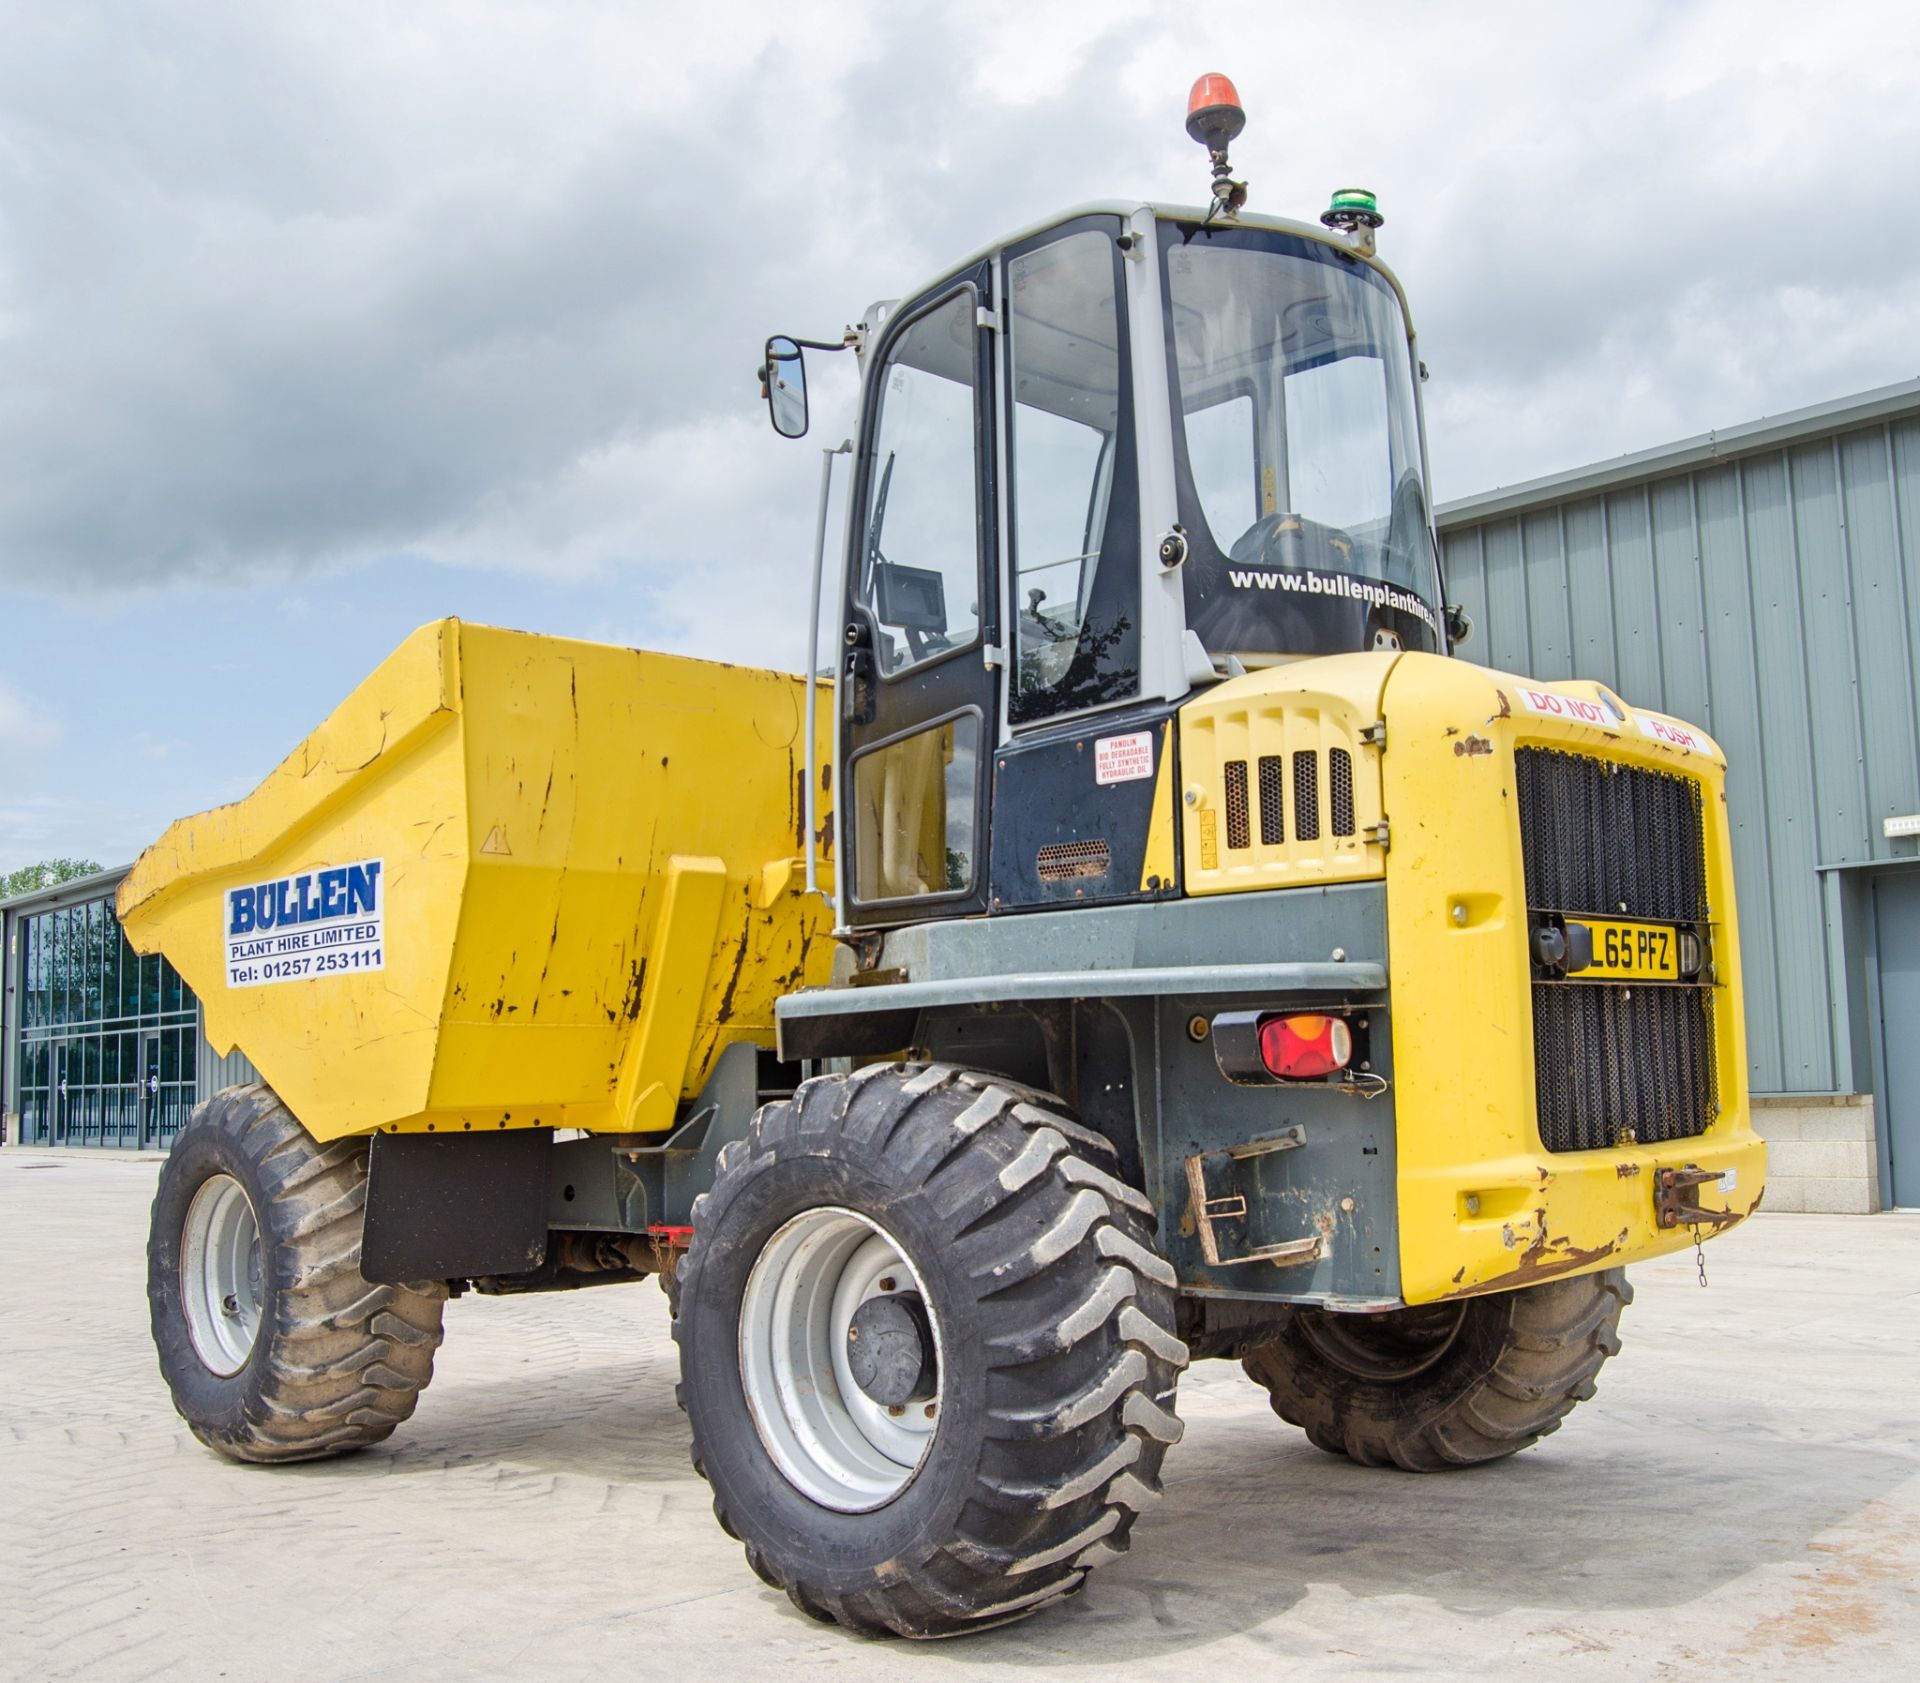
[1043, 1221]
[344, 1359]
[1552, 1341]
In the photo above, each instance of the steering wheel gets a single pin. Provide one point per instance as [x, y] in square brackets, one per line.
[1293, 541]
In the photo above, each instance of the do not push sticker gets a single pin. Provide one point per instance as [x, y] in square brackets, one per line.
[1605, 713]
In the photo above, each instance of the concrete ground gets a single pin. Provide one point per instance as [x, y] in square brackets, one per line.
[1742, 1497]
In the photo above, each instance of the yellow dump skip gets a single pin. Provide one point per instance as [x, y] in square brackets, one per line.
[513, 881]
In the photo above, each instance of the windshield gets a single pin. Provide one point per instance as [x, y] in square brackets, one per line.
[1298, 451]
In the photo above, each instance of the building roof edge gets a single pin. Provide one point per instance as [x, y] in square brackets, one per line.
[89, 887]
[1723, 444]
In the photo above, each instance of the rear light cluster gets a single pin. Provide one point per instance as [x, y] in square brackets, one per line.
[1261, 1048]
[1305, 1048]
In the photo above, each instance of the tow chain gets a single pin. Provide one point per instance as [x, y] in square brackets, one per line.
[1699, 1251]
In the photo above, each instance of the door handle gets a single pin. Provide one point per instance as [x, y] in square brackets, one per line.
[857, 677]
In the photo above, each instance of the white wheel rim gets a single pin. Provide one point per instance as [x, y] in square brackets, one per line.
[220, 1274]
[832, 1441]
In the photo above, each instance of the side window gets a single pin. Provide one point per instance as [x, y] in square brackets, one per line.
[913, 811]
[1076, 562]
[919, 565]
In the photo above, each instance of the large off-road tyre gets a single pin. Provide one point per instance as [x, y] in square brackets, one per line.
[1015, 1427]
[1445, 1384]
[273, 1344]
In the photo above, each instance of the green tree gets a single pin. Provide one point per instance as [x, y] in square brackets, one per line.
[45, 874]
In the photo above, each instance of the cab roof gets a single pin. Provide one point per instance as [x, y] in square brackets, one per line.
[1127, 209]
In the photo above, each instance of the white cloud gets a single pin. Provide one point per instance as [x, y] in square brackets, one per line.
[293, 289]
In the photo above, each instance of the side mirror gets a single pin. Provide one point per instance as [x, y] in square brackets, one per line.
[783, 383]
[1459, 627]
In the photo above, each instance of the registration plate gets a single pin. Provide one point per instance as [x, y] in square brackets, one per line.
[1647, 952]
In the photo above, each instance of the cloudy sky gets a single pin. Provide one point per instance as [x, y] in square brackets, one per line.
[319, 321]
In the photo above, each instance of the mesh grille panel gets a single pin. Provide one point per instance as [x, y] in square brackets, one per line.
[1608, 839]
[1615, 1064]
[1340, 790]
[1066, 860]
[1238, 833]
[1306, 795]
[1273, 777]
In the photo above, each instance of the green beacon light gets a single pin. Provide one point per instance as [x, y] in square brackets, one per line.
[1356, 213]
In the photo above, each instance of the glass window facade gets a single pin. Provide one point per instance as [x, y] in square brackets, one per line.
[109, 1042]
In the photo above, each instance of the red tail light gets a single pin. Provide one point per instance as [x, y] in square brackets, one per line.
[1305, 1048]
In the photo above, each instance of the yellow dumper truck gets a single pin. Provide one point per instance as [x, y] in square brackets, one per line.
[1146, 944]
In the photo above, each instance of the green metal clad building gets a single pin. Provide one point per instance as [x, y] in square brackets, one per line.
[1762, 581]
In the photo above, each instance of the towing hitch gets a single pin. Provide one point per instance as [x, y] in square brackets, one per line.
[1674, 1204]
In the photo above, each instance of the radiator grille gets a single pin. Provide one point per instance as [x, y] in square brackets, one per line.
[1616, 1064]
[1306, 796]
[1063, 861]
[1340, 790]
[1239, 834]
[1273, 775]
[1608, 839]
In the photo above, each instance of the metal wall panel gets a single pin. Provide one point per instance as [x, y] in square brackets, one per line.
[1773, 597]
[217, 1072]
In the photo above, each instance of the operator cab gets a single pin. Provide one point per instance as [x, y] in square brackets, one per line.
[1125, 454]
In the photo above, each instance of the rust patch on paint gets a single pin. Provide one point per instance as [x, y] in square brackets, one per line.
[1471, 747]
[723, 1013]
[1544, 1259]
[636, 990]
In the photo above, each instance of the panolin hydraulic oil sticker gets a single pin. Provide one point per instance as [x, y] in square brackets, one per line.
[1123, 759]
[330, 921]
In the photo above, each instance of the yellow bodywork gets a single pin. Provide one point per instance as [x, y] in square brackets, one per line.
[593, 885]
[1483, 1206]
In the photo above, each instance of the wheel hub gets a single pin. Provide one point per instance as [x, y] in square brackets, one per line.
[221, 1275]
[832, 1289]
[1392, 1347]
[890, 1350]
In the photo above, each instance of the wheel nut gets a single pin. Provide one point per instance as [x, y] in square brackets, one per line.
[887, 1283]
[896, 1408]
[932, 1410]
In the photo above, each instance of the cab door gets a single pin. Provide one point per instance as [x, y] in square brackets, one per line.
[919, 694]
